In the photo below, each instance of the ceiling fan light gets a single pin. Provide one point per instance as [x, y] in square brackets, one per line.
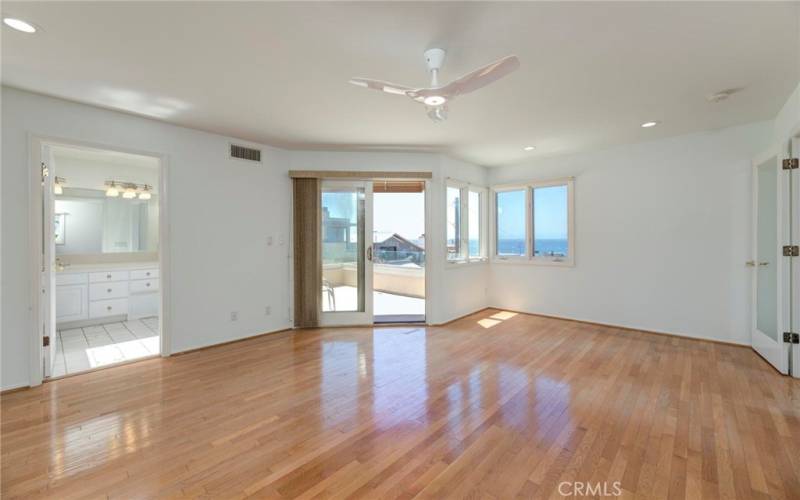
[434, 100]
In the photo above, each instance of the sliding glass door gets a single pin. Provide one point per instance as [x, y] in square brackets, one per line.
[346, 240]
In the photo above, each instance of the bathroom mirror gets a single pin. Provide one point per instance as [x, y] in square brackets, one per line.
[86, 221]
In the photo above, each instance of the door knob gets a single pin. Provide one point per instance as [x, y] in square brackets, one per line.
[750, 263]
[763, 263]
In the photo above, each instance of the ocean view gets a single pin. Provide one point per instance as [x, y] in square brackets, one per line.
[516, 246]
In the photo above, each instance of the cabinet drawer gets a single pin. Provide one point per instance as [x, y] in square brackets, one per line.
[112, 307]
[144, 274]
[71, 278]
[113, 290]
[105, 276]
[144, 286]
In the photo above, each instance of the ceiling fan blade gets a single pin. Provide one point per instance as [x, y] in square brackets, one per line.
[481, 77]
[389, 88]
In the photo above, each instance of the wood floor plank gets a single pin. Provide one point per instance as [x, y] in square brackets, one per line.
[513, 408]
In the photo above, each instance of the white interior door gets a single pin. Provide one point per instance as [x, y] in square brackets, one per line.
[346, 241]
[767, 332]
[48, 263]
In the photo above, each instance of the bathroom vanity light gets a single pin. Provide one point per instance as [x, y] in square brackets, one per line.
[112, 191]
[145, 194]
[58, 185]
[129, 193]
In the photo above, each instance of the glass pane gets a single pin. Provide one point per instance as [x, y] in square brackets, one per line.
[511, 222]
[342, 249]
[454, 223]
[474, 224]
[550, 221]
[767, 249]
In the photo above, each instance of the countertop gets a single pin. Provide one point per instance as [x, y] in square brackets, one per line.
[111, 266]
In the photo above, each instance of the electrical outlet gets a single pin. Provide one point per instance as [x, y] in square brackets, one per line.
[268, 310]
[234, 315]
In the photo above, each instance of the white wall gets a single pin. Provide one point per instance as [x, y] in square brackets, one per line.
[221, 212]
[662, 235]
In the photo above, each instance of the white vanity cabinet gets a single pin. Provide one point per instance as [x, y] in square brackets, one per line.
[72, 297]
[102, 293]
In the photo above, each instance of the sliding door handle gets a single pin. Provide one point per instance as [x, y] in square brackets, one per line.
[369, 252]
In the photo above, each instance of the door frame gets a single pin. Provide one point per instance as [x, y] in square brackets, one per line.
[350, 318]
[793, 223]
[35, 243]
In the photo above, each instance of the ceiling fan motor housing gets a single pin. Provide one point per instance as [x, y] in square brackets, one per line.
[434, 58]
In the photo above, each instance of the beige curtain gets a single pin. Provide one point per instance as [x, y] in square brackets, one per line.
[307, 253]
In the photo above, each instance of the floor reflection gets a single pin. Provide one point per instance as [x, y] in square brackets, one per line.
[400, 386]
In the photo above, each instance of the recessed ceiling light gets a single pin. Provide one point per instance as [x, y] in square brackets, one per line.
[529, 148]
[19, 25]
[649, 124]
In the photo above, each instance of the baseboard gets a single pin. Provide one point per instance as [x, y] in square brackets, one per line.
[476, 311]
[242, 339]
[627, 328]
[15, 389]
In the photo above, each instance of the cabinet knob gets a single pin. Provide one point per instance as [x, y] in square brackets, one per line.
[147, 284]
[108, 307]
[108, 276]
[109, 290]
[147, 274]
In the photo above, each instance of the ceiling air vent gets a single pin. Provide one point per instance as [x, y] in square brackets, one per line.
[244, 153]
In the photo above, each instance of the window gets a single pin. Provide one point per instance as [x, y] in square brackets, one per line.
[454, 249]
[535, 222]
[550, 221]
[511, 235]
[466, 222]
[476, 206]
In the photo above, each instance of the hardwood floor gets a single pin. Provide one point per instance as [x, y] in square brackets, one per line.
[515, 406]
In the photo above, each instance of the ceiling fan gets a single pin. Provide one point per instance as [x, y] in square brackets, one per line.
[436, 97]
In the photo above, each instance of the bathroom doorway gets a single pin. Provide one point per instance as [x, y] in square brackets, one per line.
[101, 267]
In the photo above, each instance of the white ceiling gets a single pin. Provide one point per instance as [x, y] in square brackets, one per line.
[277, 72]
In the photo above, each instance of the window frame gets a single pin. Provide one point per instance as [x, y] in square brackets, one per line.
[464, 189]
[529, 258]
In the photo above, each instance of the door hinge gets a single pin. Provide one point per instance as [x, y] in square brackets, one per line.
[791, 251]
[46, 341]
[790, 163]
[791, 338]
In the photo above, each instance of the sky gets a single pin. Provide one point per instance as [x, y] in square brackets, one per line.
[549, 213]
[401, 213]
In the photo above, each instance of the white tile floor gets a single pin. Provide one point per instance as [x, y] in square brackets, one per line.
[81, 349]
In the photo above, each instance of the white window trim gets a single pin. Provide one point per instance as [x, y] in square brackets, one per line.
[483, 216]
[529, 258]
[465, 188]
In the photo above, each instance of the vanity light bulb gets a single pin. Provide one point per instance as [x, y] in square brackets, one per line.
[112, 191]
[129, 194]
[144, 195]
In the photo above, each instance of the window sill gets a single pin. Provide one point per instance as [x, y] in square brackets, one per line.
[535, 262]
[456, 264]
